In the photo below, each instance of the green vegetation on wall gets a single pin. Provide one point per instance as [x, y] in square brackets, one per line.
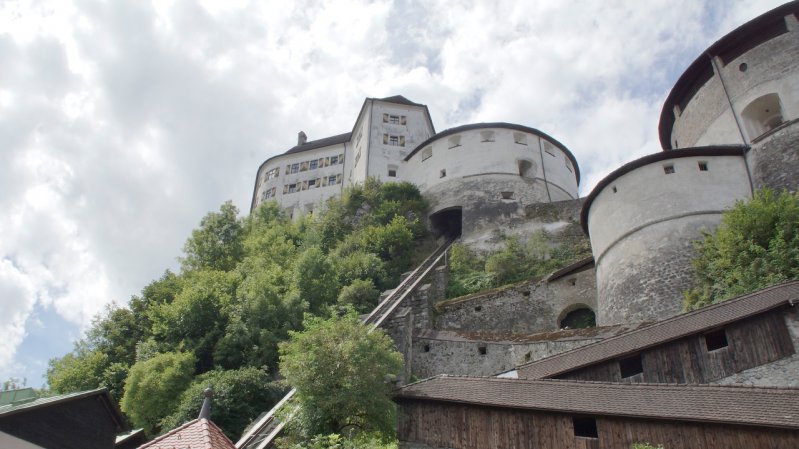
[755, 246]
[472, 272]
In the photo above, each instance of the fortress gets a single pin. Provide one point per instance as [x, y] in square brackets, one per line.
[729, 126]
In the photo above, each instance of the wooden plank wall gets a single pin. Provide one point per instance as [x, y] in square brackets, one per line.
[442, 425]
[752, 342]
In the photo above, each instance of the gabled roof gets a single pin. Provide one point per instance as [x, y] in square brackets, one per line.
[664, 331]
[30, 404]
[199, 433]
[757, 406]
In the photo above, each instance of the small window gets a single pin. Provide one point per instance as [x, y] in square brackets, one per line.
[762, 115]
[549, 148]
[313, 165]
[312, 183]
[454, 141]
[702, 166]
[331, 180]
[520, 138]
[295, 168]
[506, 195]
[615, 189]
[526, 293]
[427, 153]
[292, 188]
[486, 136]
[478, 308]
[668, 169]
[442, 173]
[585, 427]
[426, 347]
[631, 366]
[392, 171]
[482, 350]
[394, 119]
[716, 340]
[393, 141]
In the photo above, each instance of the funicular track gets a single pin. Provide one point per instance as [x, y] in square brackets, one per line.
[262, 434]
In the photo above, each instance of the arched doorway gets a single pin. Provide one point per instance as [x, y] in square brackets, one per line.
[577, 317]
[447, 222]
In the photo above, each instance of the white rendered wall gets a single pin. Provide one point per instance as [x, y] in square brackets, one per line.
[474, 157]
[301, 201]
[771, 67]
[355, 165]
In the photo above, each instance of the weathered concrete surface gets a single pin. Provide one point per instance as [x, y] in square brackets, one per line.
[780, 373]
[524, 307]
[460, 353]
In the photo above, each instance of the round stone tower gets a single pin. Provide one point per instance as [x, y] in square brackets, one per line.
[475, 175]
[744, 90]
[642, 220]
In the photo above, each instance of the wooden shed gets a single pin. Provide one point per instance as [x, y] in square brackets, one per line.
[494, 413]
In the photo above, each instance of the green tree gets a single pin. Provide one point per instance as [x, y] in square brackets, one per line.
[239, 397]
[361, 295]
[756, 245]
[315, 279]
[154, 386]
[80, 370]
[217, 244]
[342, 375]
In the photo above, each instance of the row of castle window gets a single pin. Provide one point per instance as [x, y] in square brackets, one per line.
[312, 164]
[312, 183]
[488, 136]
[394, 119]
[669, 169]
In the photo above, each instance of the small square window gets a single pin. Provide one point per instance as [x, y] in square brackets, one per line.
[631, 366]
[427, 153]
[295, 168]
[394, 119]
[585, 427]
[478, 308]
[482, 349]
[333, 160]
[487, 136]
[442, 173]
[702, 166]
[506, 195]
[313, 165]
[520, 138]
[615, 189]
[426, 347]
[393, 141]
[292, 188]
[716, 340]
[668, 169]
[331, 180]
[392, 171]
[311, 183]
[454, 141]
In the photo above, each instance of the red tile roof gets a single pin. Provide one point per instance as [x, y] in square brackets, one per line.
[196, 434]
[758, 406]
[664, 331]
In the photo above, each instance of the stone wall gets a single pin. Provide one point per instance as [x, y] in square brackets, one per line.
[781, 373]
[524, 307]
[775, 159]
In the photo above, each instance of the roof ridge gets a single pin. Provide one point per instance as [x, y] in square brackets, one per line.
[168, 434]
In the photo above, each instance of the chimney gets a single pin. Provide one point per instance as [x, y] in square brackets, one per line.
[205, 412]
[301, 138]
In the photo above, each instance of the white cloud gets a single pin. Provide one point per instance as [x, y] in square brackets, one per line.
[123, 122]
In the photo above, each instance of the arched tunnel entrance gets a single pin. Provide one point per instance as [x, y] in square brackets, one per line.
[447, 222]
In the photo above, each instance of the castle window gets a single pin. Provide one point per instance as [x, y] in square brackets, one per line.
[631, 366]
[668, 169]
[331, 180]
[454, 141]
[313, 165]
[304, 166]
[292, 188]
[520, 138]
[549, 148]
[427, 153]
[333, 160]
[427, 347]
[506, 195]
[393, 141]
[702, 166]
[526, 169]
[716, 340]
[585, 427]
[486, 136]
[392, 171]
[312, 183]
[478, 308]
[615, 189]
[295, 168]
[340, 158]
[762, 115]
[482, 349]
[442, 173]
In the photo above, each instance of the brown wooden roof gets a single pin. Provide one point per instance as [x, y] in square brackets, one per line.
[199, 433]
[756, 406]
[701, 320]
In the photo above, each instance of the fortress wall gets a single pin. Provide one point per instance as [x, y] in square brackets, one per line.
[775, 159]
[524, 307]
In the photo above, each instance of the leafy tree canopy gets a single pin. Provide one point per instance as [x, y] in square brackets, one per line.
[217, 244]
[342, 374]
[756, 245]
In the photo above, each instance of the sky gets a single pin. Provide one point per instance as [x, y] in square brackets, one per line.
[123, 122]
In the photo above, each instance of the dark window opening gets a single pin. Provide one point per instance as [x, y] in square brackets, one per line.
[526, 169]
[668, 169]
[573, 282]
[615, 189]
[526, 293]
[585, 427]
[506, 195]
[442, 173]
[478, 308]
[482, 349]
[528, 356]
[426, 348]
[631, 366]
[702, 166]
[392, 173]
[716, 340]
[743, 67]
[447, 222]
[579, 319]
